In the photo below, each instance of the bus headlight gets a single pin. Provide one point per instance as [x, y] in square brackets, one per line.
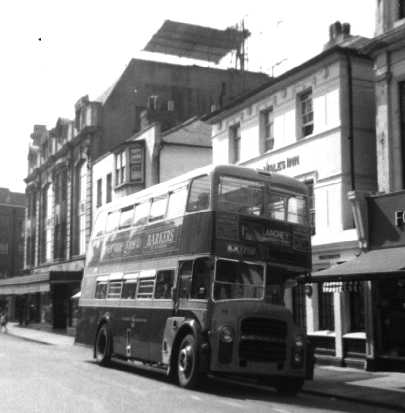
[297, 355]
[226, 334]
[299, 341]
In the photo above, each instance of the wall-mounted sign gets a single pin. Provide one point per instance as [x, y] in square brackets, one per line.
[279, 166]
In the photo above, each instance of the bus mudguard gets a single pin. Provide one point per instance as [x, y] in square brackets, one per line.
[175, 329]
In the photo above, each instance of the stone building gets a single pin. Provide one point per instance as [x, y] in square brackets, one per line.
[60, 168]
[316, 123]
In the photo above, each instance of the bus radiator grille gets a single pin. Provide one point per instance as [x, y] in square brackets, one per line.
[262, 340]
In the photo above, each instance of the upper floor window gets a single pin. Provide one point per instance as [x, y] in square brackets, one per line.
[306, 114]
[108, 188]
[99, 192]
[234, 134]
[129, 165]
[120, 168]
[267, 130]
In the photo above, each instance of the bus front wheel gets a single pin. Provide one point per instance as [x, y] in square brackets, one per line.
[187, 362]
[103, 345]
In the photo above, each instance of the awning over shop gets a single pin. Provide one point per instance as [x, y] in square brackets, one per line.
[388, 262]
[38, 282]
[25, 284]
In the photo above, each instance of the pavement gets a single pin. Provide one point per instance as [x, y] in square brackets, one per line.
[377, 389]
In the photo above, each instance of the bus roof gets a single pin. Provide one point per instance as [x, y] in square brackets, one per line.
[243, 172]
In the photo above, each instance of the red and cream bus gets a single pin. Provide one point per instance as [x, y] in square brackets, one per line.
[188, 277]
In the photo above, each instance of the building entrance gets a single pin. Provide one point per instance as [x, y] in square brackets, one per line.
[391, 317]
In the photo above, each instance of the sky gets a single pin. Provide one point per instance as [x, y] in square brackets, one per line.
[55, 51]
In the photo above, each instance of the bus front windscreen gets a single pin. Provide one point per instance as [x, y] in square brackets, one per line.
[248, 197]
[238, 280]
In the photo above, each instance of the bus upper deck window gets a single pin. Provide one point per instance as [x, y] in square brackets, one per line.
[199, 196]
[296, 209]
[142, 213]
[276, 207]
[158, 208]
[99, 225]
[126, 217]
[177, 203]
[112, 221]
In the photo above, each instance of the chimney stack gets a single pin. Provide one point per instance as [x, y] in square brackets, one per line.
[338, 32]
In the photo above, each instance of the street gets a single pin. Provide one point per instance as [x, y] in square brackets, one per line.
[41, 378]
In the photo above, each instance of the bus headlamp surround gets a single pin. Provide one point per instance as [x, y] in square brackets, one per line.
[226, 334]
[299, 341]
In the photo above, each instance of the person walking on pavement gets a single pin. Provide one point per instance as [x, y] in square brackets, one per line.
[3, 321]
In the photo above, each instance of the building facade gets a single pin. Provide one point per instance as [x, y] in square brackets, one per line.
[380, 219]
[12, 215]
[150, 157]
[315, 123]
[61, 166]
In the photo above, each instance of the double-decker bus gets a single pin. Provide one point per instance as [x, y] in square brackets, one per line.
[188, 277]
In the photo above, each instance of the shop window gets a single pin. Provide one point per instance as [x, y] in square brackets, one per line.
[305, 114]
[235, 138]
[356, 304]
[326, 311]
[266, 129]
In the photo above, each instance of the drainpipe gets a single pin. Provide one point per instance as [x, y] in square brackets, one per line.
[350, 121]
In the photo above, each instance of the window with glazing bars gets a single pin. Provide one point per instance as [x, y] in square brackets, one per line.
[306, 113]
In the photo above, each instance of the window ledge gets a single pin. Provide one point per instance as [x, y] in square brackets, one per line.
[360, 335]
[323, 333]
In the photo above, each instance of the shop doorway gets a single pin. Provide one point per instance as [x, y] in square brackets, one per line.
[391, 317]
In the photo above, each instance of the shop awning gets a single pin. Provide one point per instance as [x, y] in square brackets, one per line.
[38, 282]
[25, 284]
[388, 262]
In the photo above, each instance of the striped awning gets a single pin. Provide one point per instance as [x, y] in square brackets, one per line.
[340, 286]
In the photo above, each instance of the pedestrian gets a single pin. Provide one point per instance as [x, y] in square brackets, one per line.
[3, 321]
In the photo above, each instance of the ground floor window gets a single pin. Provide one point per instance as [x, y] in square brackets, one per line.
[356, 304]
[325, 305]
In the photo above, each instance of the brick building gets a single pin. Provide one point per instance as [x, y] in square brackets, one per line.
[12, 214]
[61, 159]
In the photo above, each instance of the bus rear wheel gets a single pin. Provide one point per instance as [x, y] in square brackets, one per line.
[187, 362]
[103, 345]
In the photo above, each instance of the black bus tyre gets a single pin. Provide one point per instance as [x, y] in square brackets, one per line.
[103, 345]
[289, 387]
[187, 362]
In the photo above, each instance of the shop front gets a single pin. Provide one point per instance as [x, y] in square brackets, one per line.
[380, 271]
[42, 298]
